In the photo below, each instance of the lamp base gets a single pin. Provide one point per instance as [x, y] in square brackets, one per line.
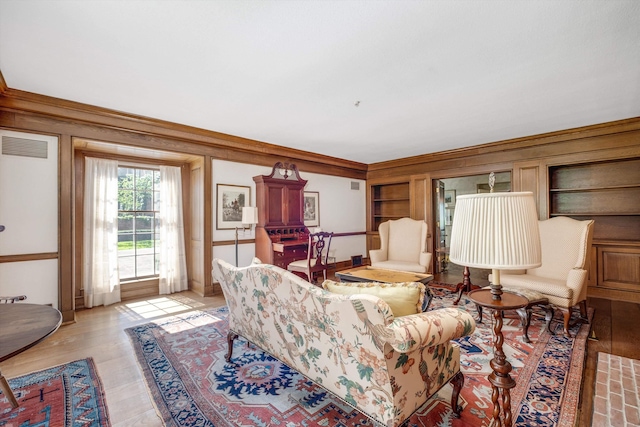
[496, 288]
[496, 291]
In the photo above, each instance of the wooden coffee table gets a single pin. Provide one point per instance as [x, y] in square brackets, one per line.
[372, 274]
[381, 275]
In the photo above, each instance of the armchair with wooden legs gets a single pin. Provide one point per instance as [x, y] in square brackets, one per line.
[562, 277]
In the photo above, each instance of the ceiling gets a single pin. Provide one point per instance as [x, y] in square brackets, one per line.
[362, 80]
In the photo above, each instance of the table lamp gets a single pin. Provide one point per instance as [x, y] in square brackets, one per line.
[249, 217]
[497, 231]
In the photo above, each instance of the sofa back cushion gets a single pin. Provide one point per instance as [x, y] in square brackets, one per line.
[406, 238]
[403, 298]
[565, 244]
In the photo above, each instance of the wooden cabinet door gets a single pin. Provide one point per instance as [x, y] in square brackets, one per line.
[275, 204]
[294, 208]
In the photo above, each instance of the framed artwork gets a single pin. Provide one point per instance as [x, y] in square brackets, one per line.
[230, 201]
[311, 209]
[450, 197]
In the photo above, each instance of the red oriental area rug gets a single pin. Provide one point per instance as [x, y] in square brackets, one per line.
[192, 385]
[68, 395]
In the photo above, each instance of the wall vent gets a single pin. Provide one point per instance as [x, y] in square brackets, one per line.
[355, 185]
[12, 146]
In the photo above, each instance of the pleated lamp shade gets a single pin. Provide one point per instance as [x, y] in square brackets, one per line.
[249, 215]
[496, 230]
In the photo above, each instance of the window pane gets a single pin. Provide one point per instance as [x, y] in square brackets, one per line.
[156, 201]
[144, 242]
[144, 179]
[126, 265]
[145, 265]
[144, 222]
[125, 178]
[144, 201]
[125, 223]
[125, 200]
[125, 231]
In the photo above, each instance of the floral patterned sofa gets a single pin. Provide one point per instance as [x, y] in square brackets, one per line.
[351, 345]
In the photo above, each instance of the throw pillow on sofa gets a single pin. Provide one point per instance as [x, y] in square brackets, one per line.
[403, 298]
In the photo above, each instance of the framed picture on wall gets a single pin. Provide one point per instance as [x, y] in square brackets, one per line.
[230, 201]
[311, 209]
[450, 197]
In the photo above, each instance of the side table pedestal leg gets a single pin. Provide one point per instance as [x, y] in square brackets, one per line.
[500, 379]
[6, 390]
[464, 286]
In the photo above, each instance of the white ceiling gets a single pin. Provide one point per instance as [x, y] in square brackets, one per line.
[429, 75]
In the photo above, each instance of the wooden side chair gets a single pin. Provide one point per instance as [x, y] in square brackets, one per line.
[317, 257]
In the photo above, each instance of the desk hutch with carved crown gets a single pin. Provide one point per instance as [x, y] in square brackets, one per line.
[281, 236]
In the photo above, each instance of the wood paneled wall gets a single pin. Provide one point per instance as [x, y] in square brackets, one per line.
[28, 112]
[615, 260]
[528, 158]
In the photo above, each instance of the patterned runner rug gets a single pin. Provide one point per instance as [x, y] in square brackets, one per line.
[192, 385]
[68, 395]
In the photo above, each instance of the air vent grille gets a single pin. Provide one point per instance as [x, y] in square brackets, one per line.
[355, 185]
[12, 146]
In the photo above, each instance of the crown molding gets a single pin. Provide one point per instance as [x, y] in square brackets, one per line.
[608, 128]
[76, 112]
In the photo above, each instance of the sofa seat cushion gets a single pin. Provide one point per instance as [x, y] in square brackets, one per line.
[400, 266]
[403, 298]
[544, 285]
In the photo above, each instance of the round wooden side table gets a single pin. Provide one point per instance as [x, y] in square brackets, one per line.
[500, 379]
[21, 327]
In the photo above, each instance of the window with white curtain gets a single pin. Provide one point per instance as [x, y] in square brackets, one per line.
[138, 222]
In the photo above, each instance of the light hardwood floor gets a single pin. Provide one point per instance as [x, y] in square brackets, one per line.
[99, 333]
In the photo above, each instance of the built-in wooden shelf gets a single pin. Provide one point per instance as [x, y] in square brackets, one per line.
[609, 193]
[389, 201]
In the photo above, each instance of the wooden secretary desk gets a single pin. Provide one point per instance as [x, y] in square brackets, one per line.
[281, 236]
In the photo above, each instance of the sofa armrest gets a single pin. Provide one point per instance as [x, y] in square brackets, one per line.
[429, 329]
[377, 255]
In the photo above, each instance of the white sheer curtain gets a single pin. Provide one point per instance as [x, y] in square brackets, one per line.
[100, 247]
[173, 266]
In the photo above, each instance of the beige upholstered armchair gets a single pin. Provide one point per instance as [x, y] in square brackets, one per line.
[403, 246]
[562, 277]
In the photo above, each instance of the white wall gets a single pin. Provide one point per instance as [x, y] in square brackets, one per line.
[342, 210]
[29, 211]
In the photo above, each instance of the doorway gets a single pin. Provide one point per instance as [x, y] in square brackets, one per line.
[446, 191]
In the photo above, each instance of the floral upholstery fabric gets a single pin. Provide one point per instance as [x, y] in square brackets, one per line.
[351, 345]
